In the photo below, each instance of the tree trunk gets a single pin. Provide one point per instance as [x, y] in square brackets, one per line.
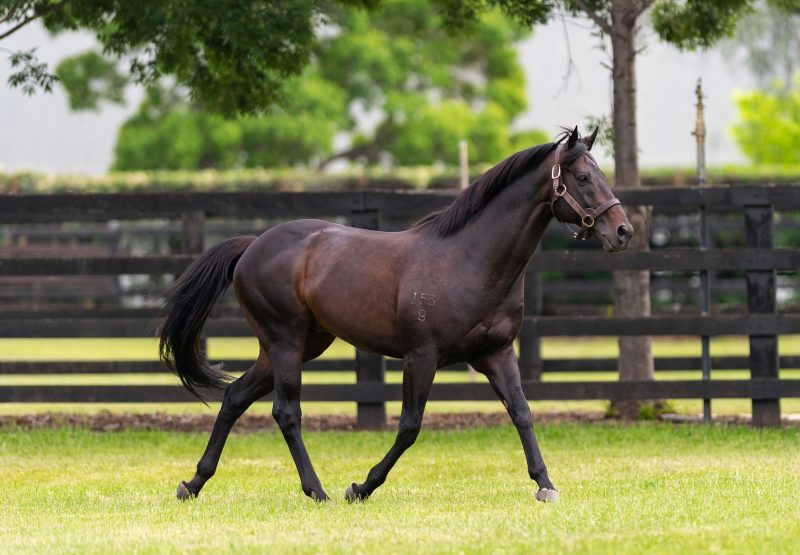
[632, 288]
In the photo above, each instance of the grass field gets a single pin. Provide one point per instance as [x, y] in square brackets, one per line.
[646, 488]
[237, 349]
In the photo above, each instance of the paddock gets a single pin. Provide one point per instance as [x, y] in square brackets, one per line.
[754, 269]
[625, 488]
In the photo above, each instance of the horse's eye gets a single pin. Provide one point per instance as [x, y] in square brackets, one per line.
[583, 178]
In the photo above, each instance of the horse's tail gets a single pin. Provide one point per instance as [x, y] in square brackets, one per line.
[186, 309]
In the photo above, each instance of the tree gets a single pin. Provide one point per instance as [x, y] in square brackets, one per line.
[425, 89]
[232, 55]
[167, 132]
[687, 24]
[768, 41]
[768, 130]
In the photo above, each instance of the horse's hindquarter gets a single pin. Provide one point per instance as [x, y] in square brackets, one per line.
[268, 277]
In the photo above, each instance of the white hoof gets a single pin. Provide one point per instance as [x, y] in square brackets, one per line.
[352, 497]
[546, 495]
[183, 492]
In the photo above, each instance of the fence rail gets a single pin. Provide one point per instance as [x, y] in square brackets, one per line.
[371, 393]
[548, 366]
[542, 326]
[674, 261]
[191, 213]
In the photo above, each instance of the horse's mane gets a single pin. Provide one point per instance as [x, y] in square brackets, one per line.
[469, 203]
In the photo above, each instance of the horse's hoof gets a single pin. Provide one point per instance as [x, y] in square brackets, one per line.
[183, 492]
[318, 498]
[547, 495]
[351, 496]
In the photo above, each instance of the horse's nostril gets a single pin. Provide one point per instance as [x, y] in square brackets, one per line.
[624, 231]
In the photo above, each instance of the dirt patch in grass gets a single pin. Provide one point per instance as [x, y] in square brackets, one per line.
[107, 421]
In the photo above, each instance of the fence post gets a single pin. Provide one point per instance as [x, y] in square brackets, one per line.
[761, 300]
[192, 242]
[370, 367]
[530, 356]
[192, 228]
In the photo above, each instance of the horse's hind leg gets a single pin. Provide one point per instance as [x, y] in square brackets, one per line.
[502, 369]
[239, 395]
[286, 358]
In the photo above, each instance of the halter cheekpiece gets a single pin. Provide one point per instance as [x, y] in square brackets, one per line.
[588, 216]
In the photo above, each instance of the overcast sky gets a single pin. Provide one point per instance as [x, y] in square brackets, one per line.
[41, 133]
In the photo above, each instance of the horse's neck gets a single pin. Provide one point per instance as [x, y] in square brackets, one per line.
[502, 238]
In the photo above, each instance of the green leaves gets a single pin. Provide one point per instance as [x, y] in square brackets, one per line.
[169, 133]
[29, 74]
[464, 13]
[232, 55]
[425, 88]
[768, 130]
[89, 78]
[696, 24]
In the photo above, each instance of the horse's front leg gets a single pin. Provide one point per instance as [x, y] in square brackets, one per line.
[502, 369]
[418, 373]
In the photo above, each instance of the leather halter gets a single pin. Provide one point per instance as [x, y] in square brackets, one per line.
[588, 216]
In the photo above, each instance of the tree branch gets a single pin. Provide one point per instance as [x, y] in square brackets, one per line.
[643, 7]
[369, 151]
[594, 16]
[36, 15]
[8, 17]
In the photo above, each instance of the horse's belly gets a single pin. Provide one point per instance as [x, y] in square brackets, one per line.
[367, 325]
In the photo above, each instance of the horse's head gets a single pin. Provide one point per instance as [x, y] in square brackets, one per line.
[581, 196]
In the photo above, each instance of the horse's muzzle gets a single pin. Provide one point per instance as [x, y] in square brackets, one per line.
[619, 241]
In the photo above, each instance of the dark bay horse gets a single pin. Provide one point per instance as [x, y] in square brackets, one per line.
[449, 289]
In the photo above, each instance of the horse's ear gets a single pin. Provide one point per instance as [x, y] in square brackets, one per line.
[589, 141]
[573, 138]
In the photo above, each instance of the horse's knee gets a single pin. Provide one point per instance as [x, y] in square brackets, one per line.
[288, 418]
[520, 414]
[522, 419]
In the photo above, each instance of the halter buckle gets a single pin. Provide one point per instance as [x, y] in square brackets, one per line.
[587, 221]
[555, 171]
[559, 189]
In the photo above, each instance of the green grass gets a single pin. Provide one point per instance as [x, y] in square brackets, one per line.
[639, 489]
[245, 348]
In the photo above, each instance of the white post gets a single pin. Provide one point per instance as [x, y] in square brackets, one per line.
[463, 164]
[705, 283]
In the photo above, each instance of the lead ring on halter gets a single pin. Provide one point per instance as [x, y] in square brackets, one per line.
[558, 188]
[588, 217]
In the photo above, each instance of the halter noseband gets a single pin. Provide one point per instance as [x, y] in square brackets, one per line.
[588, 217]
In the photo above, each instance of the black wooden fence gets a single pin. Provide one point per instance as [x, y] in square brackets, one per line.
[369, 209]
